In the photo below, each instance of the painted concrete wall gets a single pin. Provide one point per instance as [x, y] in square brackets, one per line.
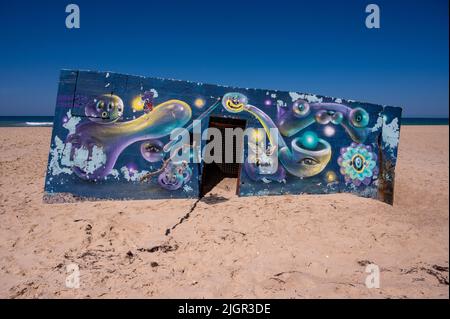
[111, 130]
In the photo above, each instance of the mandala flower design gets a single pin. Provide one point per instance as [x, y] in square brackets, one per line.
[358, 164]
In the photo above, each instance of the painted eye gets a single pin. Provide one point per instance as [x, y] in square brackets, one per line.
[152, 148]
[301, 108]
[309, 161]
[358, 162]
[359, 117]
[110, 106]
[100, 105]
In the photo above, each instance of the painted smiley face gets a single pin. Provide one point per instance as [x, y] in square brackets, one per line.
[234, 102]
[107, 108]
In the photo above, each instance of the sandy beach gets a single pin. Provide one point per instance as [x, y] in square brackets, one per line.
[223, 245]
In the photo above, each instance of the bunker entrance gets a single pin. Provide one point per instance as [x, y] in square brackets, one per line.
[214, 172]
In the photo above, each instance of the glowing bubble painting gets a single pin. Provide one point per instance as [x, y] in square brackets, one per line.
[128, 137]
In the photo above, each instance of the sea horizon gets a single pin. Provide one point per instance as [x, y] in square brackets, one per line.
[47, 121]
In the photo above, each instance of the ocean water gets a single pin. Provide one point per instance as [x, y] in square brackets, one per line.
[25, 121]
[32, 121]
[424, 121]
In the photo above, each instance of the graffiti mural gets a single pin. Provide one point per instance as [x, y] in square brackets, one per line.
[113, 138]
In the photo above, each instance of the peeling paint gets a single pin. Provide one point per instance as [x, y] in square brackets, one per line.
[311, 98]
[71, 123]
[89, 163]
[391, 133]
[131, 175]
[53, 167]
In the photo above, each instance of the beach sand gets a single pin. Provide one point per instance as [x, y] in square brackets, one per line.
[223, 245]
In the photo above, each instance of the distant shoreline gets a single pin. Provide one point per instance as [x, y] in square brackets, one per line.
[46, 121]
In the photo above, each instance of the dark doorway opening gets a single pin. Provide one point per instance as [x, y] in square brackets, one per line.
[213, 173]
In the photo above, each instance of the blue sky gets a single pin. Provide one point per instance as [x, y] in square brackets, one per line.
[320, 47]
